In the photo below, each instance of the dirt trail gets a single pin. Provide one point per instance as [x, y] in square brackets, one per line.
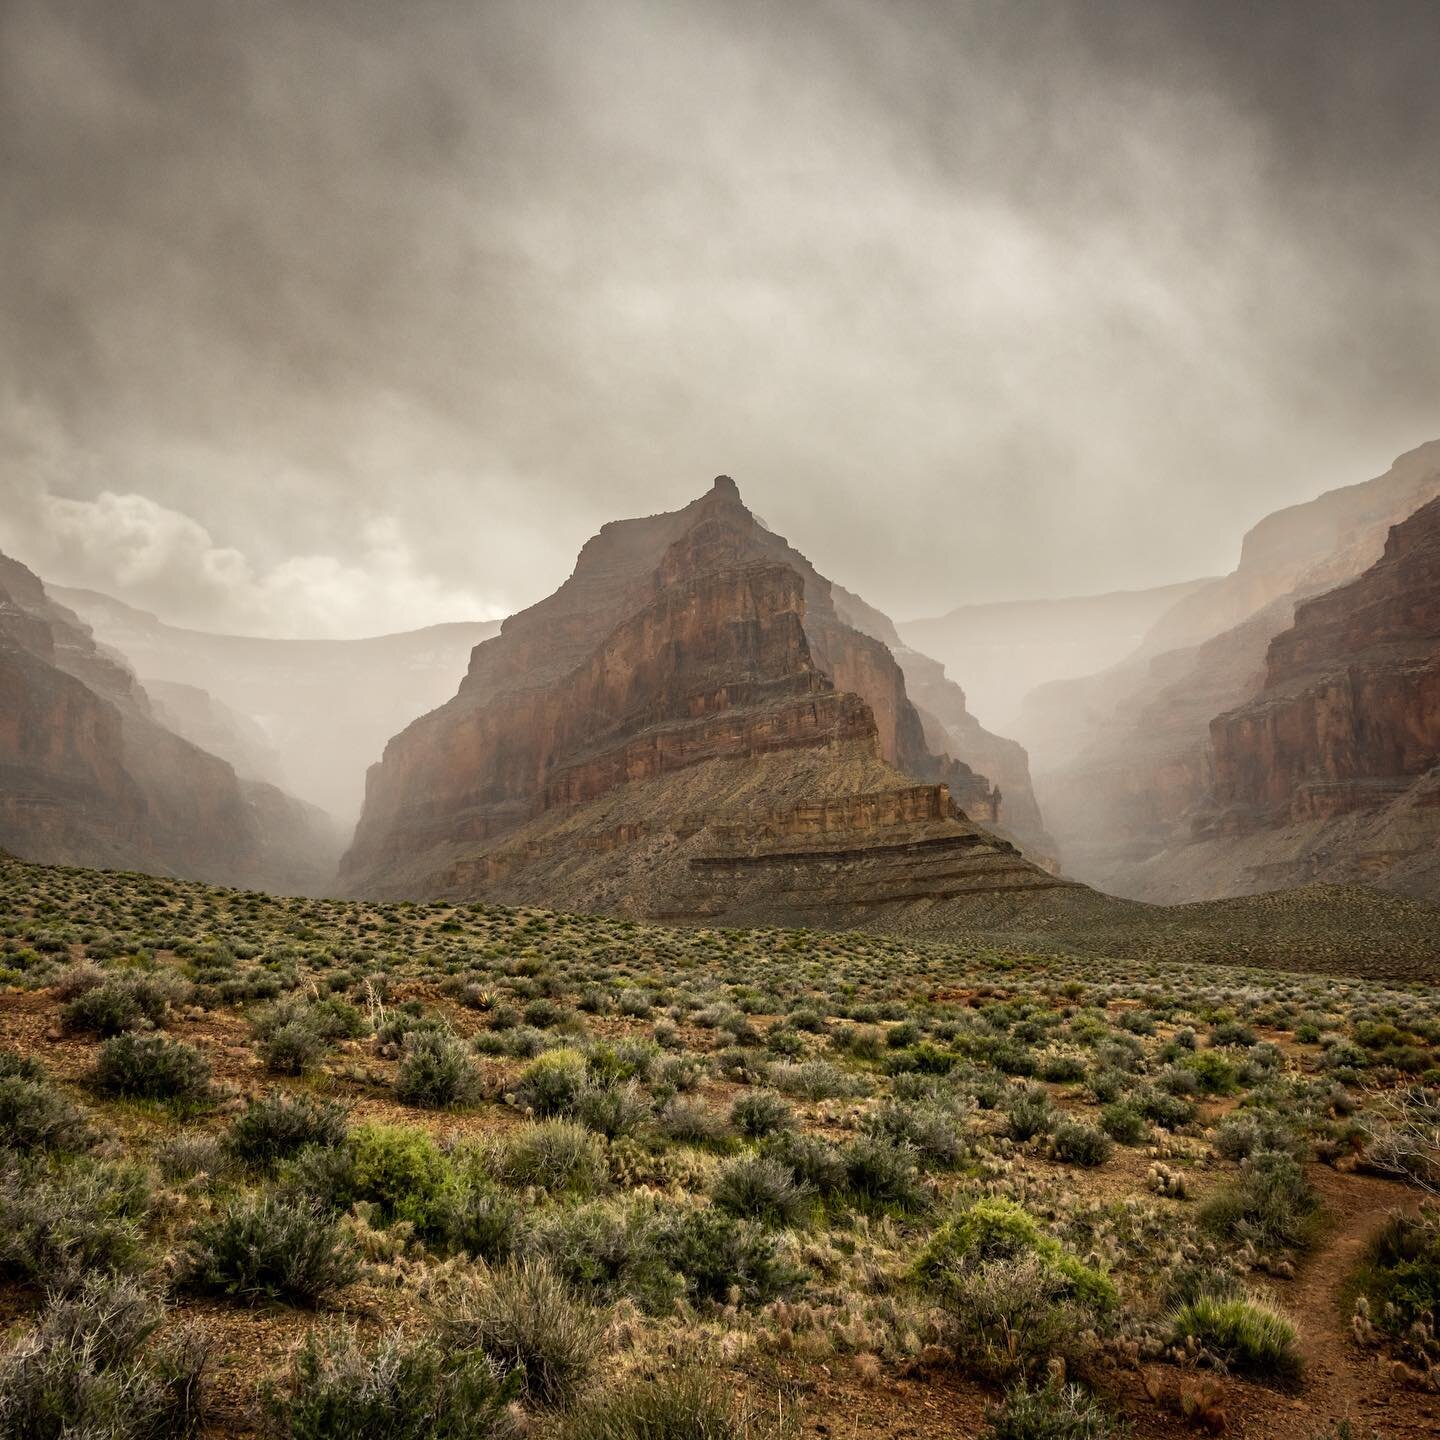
[1342, 1381]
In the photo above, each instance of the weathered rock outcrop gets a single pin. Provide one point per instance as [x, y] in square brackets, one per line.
[692, 681]
[89, 776]
[1137, 782]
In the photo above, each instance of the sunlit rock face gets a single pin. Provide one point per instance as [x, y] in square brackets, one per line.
[694, 675]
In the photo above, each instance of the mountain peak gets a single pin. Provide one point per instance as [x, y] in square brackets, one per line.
[726, 486]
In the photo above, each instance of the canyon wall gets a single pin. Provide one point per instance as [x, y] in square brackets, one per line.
[1349, 714]
[89, 775]
[308, 715]
[1141, 764]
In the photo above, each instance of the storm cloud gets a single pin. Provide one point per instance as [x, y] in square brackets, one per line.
[338, 316]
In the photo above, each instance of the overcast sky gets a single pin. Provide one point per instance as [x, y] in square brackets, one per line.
[339, 316]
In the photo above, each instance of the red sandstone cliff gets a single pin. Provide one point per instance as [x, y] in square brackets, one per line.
[948, 727]
[681, 643]
[1332, 771]
[88, 776]
[1141, 762]
[1350, 709]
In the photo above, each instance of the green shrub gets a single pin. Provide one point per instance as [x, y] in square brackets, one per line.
[1400, 1274]
[399, 1389]
[1249, 1336]
[760, 1113]
[478, 1218]
[399, 1169]
[636, 1003]
[293, 1048]
[880, 1175]
[685, 1404]
[997, 1229]
[1123, 1123]
[758, 1187]
[35, 1117]
[612, 1110]
[15, 1066]
[126, 1002]
[815, 1080]
[280, 1125]
[553, 1083]
[55, 1231]
[1242, 1134]
[1054, 1412]
[528, 1322]
[609, 1250]
[553, 1155]
[435, 1072]
[1213, 1072]
[1271, 1205]
[84, 1370]
[152, 1067]
[1076, 1144]
[1011, 1317]
[718, 1257]
[692, 1122]
[815, 1162]
[1029, 1114]
[931, 1130]
[609, 1063]
[268, 1249]
[191, 1153]
[1168, 1111]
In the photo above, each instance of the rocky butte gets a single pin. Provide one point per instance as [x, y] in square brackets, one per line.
[690, 727]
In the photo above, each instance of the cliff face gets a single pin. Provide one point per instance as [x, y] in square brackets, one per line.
[1349, 715]
[1144, 764]
[89, 776]
[948, 727]
[694, 675]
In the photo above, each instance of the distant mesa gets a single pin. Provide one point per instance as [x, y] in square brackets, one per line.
[698, 726]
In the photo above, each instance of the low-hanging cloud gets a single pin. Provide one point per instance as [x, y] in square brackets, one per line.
[974, 300]
[160, 559]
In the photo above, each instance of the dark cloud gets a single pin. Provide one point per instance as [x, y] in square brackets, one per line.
[363, 312]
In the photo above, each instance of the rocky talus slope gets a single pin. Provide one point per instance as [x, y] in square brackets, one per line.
[1140, 766]
[1332, 772]
[90, 776]
[688, 727]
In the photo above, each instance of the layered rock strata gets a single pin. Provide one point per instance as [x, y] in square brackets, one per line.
[694, 682]
[1145, 766]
